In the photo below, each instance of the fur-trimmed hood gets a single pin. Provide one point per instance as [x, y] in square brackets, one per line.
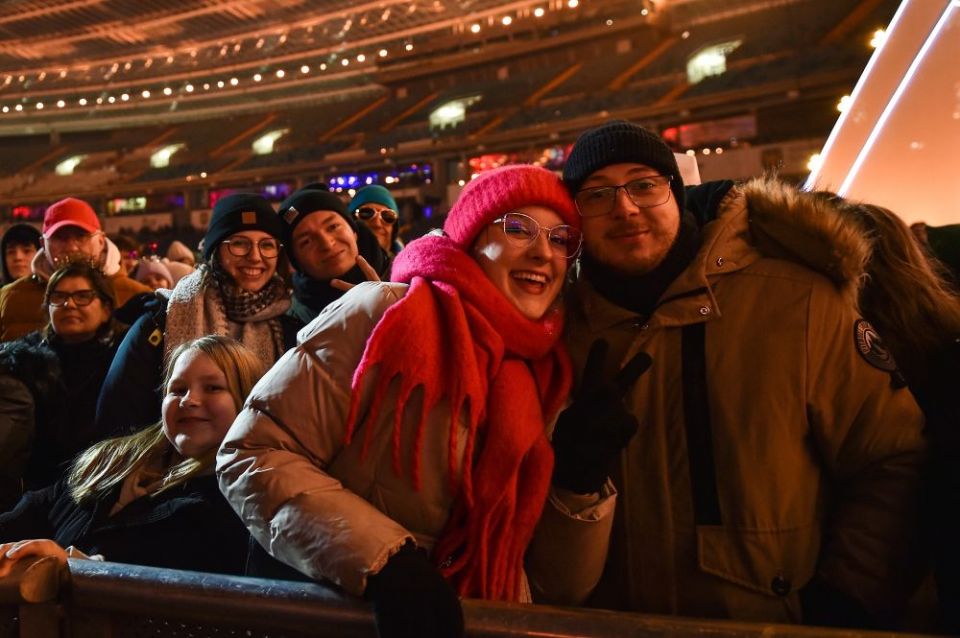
[31, 360]
[786, 223]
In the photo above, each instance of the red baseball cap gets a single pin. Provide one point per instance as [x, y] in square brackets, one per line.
[70, 212]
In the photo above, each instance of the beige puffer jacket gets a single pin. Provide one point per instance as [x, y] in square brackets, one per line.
[315, 505]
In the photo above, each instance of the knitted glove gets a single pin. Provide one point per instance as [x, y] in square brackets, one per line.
[592, 432]
[411, 599]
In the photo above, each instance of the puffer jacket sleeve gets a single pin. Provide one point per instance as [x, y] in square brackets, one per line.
[272, 464]
[569, 547]
[867, 431]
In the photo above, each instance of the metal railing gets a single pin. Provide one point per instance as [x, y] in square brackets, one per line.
[92, 599]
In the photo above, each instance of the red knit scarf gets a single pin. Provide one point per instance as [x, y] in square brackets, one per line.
[456, 335]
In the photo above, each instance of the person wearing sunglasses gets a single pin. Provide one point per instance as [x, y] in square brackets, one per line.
[236, 292]
[374, 207]
[774, 477]
[71, 232]
[50, 380]
[401, 450]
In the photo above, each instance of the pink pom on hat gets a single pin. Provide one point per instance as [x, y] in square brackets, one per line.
[502, 190]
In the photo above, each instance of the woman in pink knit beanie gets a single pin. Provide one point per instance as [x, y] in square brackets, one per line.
[403, 442]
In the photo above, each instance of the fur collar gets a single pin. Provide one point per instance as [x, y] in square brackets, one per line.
[31, 360]
[786, 223]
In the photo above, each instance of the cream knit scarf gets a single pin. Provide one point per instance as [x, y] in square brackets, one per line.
[196, 308]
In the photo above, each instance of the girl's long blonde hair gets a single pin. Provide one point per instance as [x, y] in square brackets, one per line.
[108, 463]
[907, 294]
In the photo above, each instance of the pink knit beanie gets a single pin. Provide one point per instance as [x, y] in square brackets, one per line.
[153, 267]
[502, 190]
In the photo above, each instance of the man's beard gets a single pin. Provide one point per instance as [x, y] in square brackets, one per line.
[75, 257]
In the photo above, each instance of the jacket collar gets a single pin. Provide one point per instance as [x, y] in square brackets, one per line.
[689, 299]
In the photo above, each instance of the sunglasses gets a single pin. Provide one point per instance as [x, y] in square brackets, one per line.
[365, 214]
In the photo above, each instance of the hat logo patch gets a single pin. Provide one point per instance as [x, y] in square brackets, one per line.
[248, 217]
[290, 214]
[871, 347]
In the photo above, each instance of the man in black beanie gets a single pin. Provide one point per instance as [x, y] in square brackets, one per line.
[325, 244]
[770, 471]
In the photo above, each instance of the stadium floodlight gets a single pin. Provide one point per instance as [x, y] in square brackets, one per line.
[263, 145]
[66, 166]
[161, 158]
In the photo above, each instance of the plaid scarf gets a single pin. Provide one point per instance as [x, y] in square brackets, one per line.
[241, 304]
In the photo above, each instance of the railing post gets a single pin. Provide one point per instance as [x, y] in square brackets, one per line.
[34, 586]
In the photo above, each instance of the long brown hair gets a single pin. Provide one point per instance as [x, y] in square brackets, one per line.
[108, 463]
[907, 294]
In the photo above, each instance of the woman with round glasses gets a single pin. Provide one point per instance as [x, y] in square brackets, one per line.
[401, 450]
[374, 207]
[237, 292]
[50, 379]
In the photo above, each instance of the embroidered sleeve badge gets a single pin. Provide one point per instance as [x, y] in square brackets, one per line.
[871, 347]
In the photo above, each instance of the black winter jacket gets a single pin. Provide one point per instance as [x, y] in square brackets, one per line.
[190, 526]
[48, 395]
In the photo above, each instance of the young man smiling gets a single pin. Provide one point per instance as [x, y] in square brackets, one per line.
[324, 245]
[773, 477]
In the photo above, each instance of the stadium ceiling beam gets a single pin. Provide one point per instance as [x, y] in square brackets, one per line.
[41, 11]
[851, 21]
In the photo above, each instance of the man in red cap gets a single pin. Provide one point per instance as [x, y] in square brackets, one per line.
[71, 231]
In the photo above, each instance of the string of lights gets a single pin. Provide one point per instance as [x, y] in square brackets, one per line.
[162, 82]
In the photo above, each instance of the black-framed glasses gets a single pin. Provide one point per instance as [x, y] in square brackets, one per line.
[79, 298]
[523, 230]
[644, 192]
[241, 247]
[366, 213]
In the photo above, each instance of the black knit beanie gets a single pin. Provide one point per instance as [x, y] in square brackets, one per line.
[306, 201]
[239, 212]
[620, 142]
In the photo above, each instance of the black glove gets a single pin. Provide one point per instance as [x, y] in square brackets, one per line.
[412, 599]
[593, 431]
[825, 606]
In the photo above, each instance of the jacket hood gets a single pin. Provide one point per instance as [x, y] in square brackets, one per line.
[786, 223]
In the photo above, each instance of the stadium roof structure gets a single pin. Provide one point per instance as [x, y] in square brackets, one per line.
[352, 85]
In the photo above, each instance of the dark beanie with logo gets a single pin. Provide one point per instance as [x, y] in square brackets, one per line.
[236, 213]
[621, 142]
[306, 201]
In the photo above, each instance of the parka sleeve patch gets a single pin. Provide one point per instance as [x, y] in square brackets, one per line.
[870, 346]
